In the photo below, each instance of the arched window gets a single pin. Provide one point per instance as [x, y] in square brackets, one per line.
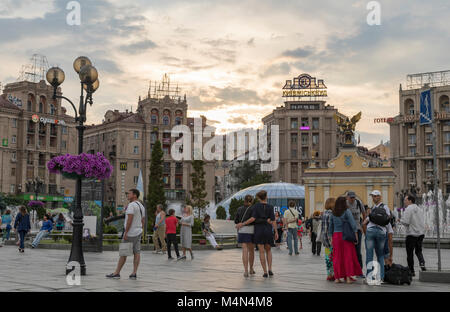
[178, 120]
[166, 120]
[444, 104]
[42, 104]
[179, 117]
[30, 102]
[154, 117]
[409, 107]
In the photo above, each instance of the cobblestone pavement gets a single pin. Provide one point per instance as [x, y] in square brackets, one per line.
[43, 270]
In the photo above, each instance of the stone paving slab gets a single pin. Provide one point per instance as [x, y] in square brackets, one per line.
[43, 270]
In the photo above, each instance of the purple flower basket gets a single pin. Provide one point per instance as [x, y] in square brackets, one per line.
[35, 203]
[84, 166]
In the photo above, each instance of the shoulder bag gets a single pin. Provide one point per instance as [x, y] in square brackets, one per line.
[126, 248]
[246, 229]
[347, 231]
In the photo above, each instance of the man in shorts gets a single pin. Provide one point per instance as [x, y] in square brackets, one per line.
[134, 223]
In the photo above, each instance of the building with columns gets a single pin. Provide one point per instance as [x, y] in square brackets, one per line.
[33, 129]
[411, 143]
[350, 170]
[127, 140]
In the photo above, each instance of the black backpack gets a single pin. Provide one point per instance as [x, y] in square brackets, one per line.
[397, 275]
[379, 216]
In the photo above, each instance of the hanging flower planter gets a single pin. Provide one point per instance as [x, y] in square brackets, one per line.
[84, 166]
[34, 204]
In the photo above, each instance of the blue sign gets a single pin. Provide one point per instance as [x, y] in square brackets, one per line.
[426, 111]
[68, 199]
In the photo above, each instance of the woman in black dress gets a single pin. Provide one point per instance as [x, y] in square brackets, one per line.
[264, 219]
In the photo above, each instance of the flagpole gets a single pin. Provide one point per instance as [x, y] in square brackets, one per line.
[435, 178]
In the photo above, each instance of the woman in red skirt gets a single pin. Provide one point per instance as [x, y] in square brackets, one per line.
[345, 261]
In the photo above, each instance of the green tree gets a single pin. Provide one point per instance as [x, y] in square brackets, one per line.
[259, 178]
[156, 184]
[198, 192]
[247, 174]
[234, 205]
[221, 213]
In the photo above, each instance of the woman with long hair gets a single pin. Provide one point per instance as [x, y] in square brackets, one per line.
[246, 232]
[345, 261]
[22, 226]
[325, 239]
[187, 222]
[209, 233]
[265, 225]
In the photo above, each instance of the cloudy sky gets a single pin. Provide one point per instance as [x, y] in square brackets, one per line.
[231, 57]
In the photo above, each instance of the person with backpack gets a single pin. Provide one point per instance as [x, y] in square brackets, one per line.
[415, 232]
[378, 226]
[359, 214]
[290, 219]
[134, 224]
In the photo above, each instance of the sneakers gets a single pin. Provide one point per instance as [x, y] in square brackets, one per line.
[181, 258]
[423, 268]
[133, 277]
[114, 276]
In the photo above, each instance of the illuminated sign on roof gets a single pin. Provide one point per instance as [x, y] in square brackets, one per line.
[304, 86]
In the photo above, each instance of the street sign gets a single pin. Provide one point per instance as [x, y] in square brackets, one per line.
[426, 111]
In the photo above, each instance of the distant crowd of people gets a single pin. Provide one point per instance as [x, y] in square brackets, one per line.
[22, 227]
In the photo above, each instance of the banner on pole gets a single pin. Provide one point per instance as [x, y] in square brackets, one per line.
[426, 116]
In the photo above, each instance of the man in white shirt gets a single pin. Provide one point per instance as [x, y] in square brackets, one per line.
[415, 232]
[134, 223]
[376, 238]
[290, 220]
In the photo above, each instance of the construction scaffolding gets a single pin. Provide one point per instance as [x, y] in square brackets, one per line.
[159, 90]
[433, 79]
[36, 70]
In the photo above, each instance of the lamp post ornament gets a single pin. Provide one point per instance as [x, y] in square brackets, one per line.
[89, 82]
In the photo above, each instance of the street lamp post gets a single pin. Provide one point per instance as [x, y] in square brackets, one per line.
[89, 83]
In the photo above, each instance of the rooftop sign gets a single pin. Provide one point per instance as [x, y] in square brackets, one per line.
[304, 86]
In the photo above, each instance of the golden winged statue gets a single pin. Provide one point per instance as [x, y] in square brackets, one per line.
[347, 126]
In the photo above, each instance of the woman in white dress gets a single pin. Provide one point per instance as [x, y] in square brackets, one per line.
[187, 222]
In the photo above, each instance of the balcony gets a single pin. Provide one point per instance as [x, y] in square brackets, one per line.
[112, 154]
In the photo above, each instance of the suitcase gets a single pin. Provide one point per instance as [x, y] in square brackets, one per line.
[397, 275]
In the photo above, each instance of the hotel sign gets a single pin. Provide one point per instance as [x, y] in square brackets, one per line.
[44, 120]
[304, 86]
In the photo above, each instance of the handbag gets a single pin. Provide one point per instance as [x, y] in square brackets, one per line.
[347, 231]
[246, 229]
[125, 249]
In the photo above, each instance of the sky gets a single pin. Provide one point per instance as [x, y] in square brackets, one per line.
[231, 57]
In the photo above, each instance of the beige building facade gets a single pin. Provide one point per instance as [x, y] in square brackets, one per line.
[34, 128]
[127, 140]
[411, 143]
[307, 130]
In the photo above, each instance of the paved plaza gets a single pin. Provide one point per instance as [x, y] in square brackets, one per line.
[43, 270]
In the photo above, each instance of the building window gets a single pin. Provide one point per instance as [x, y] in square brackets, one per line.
[12, 189]
[412, 139]
[136, 150]
[64, 129]
[293, 137]
[412, 165]
[294, 153]
[305, 153]
[315, 123]
[14, 123]
[412, 151]
[166, 120]
[444, 104]
[315, 138]
[13, 172]
[409, 107]
[447, 149]
[294, 123]
[178, 120]
[153, 137]
[13, 139]
[305, 139]
[412, 177]
[63, 144]
[429, 150]
[166, 167]
[135, 179]
[305, 122]
[428, 138]
[136, 135]
[429, 164]
[136, 164]
[446, 137]
[52, 109]
[154, 120]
